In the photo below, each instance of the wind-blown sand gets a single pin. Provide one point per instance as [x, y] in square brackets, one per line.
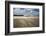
[21, 21]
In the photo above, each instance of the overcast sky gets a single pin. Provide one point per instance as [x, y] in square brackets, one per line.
[26, 11]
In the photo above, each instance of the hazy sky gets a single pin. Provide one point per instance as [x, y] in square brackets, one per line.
[26, 11]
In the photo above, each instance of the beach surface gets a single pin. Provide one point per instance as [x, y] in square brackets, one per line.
[22, 21]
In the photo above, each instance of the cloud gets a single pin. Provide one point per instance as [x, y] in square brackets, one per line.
[26, 11]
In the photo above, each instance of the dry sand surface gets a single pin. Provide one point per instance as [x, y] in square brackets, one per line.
[31, 21]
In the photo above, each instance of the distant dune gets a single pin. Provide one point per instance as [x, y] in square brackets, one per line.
[21, 21]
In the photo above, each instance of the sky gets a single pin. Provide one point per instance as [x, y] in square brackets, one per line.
[26, 11]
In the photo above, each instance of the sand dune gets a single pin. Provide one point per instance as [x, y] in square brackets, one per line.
[20, 21]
